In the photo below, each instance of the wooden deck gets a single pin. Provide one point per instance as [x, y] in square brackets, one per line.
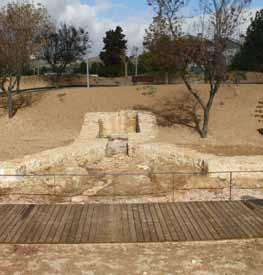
[126, 223]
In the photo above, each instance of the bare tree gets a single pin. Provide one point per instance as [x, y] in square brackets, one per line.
[20, 25]
[168, 9]
[220, 20]
[63, 46]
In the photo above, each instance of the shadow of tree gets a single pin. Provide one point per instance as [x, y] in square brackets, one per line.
[182, 111]
[20, 101]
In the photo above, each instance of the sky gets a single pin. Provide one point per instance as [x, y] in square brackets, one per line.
[98, 16]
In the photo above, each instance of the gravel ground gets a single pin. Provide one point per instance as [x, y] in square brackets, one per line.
[206, 258]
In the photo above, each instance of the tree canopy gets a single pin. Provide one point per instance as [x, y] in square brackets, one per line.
[21, 25]
[114, 52]
[64, 45]
[250, 56]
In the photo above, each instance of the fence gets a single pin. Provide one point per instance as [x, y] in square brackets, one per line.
[228, 189]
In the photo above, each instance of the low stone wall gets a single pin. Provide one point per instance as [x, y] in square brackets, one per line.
[181, 156]
[135, 125]
[36, 82]
[136, 129]
[89, 147]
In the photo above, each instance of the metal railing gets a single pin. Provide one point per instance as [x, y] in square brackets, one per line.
[173, 189]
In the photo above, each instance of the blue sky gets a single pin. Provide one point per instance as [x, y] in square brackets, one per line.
[123, 8]
[98, 16]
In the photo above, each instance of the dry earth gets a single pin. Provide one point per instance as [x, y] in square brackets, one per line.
[55, 118]
[207, 258]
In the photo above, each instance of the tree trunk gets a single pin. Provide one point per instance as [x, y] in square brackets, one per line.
[126, 69]
[9, 102]
[209, 105]
[18, 78]
[204, 131]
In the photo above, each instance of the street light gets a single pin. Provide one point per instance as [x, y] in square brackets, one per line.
[88, 75]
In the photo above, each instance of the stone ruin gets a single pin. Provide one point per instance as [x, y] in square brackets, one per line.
[102, 135]
[127, 134]
[119, 128]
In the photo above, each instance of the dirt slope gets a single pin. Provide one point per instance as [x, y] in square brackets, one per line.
[55, 118]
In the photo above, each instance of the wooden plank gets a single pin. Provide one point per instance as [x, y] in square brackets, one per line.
[236, 213]
[178, 232]
[55, 224]
[209, 217]
[93, 225]
[217, 221]
[117, 224]
[132, 229]
[180, 220]
[129, 223]
[144, 222]
[152, 230]
[68, 224]
[14, 222]
[6, 220]
[75, 224]
[206, 227]
[255, 206]
[188, 222]
[87, 224]
[104, 223]
[49, 224]
[38, 226]
[4, 210]
[125, 223]
[200, 235]
[250, 217]
[227, 221]
[168, 222]
[232, 220]
[230, 232]
[162, 220]
[81, 225]
[57, 237]
[138, 225]
[19, 220]
[25, 229]
[258, 220]
[156, 222]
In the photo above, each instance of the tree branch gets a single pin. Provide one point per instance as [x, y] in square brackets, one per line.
[193, 93]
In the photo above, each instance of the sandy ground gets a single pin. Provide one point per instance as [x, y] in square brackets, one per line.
[207, 258]
[55, 118]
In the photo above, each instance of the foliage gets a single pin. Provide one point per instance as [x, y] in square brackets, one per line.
[82, 69]
[205, 52]
[64, 46]
[250, 57]
[160, 46]
[114, 52]
[21, 25]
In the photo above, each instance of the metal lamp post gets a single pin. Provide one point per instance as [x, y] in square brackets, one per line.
[88, 74]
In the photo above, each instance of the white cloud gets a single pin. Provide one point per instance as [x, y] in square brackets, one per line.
[193, 25]
[92, 18]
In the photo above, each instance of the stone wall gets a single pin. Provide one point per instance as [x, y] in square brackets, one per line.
[134, 132]
[181, 156]
[35, 82]
[135, 125]
[89, 147]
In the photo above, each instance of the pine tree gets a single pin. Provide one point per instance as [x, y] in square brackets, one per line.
[114, 51]
[250, 57]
